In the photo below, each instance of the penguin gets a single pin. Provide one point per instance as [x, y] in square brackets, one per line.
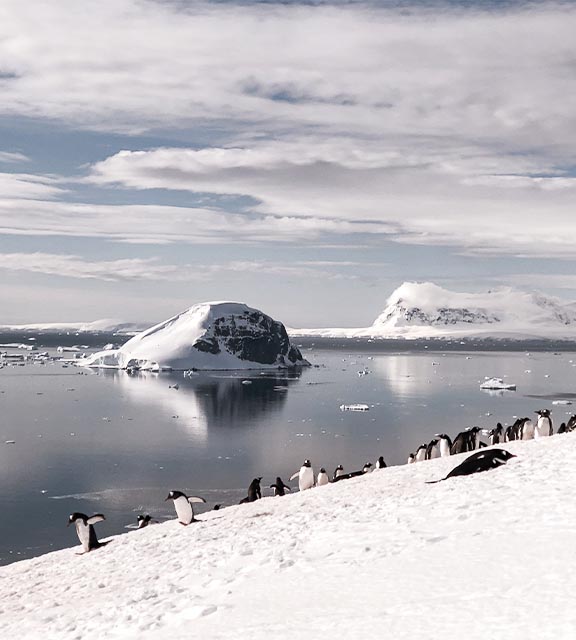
[421, 453]
[339, 471]
[144, 521]
[347, 476]
[380, 464]
[279, 487]
[477, 462]
[322, 478]
[544, 424]
[411, 458]
[183, 505]
[571, 426]
[513, 431]
[562, 428]
[433, 449]
[368, 468]
[460, 444]
[444, 444]
[305, 476]
[526, 430]
[254, 491]
[496, 435]
[474, 439]
[85, 530]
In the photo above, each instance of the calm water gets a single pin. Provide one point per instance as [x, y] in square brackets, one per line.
[116, 443]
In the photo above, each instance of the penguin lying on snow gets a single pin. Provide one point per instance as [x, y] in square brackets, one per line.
[477, 462]
[183, 506]
[85, 530]
[145, 520]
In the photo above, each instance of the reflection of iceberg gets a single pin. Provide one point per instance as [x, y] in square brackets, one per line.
[203, 401]
[497, 384]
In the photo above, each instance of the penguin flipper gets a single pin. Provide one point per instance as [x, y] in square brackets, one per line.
[98, 517]
[193, 499]
[294, 475]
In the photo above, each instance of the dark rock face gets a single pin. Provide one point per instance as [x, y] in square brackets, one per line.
[251, 336]
[444, 316]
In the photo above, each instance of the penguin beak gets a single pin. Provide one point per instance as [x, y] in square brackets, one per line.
[166, 499]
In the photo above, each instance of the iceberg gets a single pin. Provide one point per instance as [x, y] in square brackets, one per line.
[497, 384]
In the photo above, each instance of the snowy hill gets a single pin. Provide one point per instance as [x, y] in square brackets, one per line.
[105, 325]
[211, 335]
[383, 555]
[425, 310]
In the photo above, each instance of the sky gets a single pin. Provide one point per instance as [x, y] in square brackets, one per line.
[303, 158]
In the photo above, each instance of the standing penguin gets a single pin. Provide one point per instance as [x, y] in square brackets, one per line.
[562, 428]
[544, 424]
[444, 444]
[411, 458]
[433, 449]
[526, 430]
[496, 435]
[85, 529]
[339, 471]
[380, 464]
[254, 491]
[183, 506]
[322, 478]
[279, 487]
[421, 453]
[305, 476]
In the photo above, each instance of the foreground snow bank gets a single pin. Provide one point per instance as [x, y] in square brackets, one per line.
[383, 555]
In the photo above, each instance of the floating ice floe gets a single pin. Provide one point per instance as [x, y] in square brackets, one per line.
[561, 402]
[354, 407]
[497, 384]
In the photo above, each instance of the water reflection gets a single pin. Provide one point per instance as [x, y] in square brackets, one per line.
[203, 401]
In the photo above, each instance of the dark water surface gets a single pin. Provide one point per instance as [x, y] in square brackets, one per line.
[117, 443]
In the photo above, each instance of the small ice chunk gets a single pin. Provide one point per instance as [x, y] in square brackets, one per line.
[497, 383]
[10, 441]
[354, 407]
[561, 402]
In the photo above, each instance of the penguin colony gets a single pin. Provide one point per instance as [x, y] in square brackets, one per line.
[440, 446]
[469, 439]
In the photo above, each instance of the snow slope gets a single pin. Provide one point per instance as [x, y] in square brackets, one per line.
[210, 335]
[425, 310]
[383, 556]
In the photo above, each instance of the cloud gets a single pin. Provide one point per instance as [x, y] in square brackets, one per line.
[11, 157]
[152, 270]
[25, 186]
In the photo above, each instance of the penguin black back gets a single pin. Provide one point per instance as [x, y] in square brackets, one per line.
[254, 491]
[478, 462]
[279, 487]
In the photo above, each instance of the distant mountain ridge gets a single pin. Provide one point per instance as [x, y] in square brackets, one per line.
[424, 309]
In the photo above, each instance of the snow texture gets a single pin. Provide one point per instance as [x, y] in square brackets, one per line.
[384, 555]
[425, 310]
[211, 335]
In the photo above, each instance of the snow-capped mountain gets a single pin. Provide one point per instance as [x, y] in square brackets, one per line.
[105, 325]
[423, 309]
[211, 335]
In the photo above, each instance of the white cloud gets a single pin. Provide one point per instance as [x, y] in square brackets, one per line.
[152, 270]
[21, 185]
[12, 157]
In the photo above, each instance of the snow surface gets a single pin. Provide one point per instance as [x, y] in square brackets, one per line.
[425, 310]
[383, 556]
[175, 343]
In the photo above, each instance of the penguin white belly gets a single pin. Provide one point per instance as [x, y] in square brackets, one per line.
[83, 531]
[420, 455]
[528, 430]
[306, 478]
[444, 448]
[183, 510]
[435, 452]
[542, 429]
[322, 479]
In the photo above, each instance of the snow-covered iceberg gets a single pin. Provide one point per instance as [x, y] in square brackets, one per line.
[208, 336]
[497, 384]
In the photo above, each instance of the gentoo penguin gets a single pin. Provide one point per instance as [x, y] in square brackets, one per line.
[305, 476]
[513, 431]
[562, 428]
[544, 424]
[526, 430]
[368, 468]
[466, 441]
[421, 453]
[477, 462]
[347, 476]
[322, 478]
[571, 423]
[144, 521]
[339, 471]
[496, 435]
[254, 491]
[433, 449]
[85, 529]
[183, 506]
[380, 464]
[444, 444]
[411, 458]
[279, 487]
